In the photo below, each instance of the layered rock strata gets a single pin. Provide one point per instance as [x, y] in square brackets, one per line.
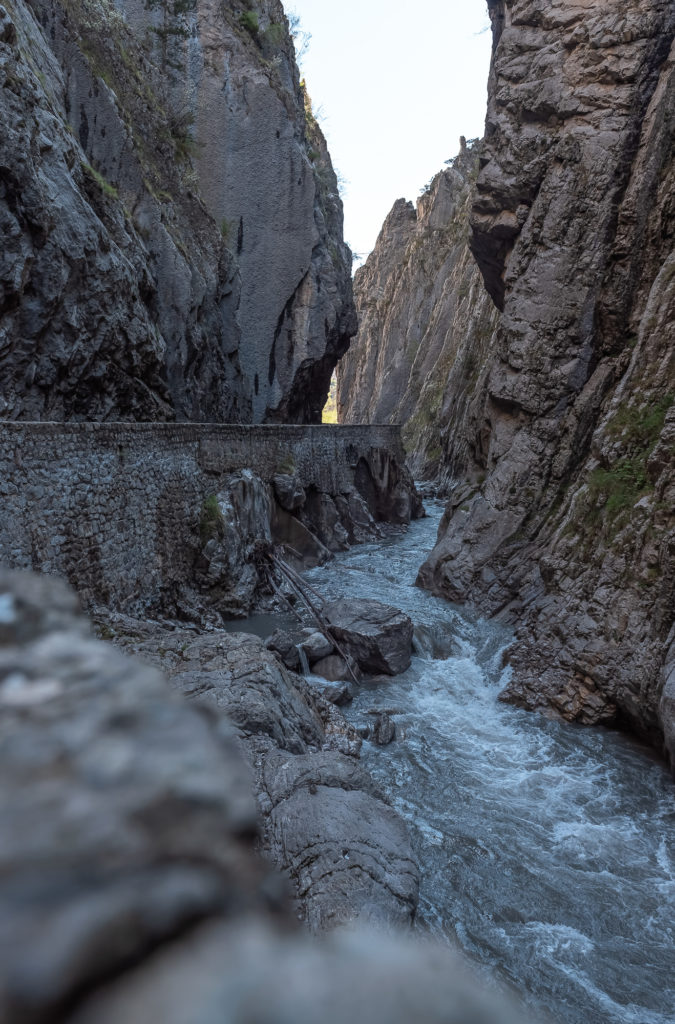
[426, 324]
[173, 227]
[571, 534]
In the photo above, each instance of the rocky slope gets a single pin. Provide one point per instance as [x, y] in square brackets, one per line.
[425, 327]
[173, 229]
[572, 533]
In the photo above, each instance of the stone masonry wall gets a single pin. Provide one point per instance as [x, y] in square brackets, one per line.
[115, 507]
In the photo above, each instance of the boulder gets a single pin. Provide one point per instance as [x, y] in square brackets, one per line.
[286, 649]
[339, 694]
[377, 636]
[288, 491]
[334, 668]
[349, 851]
[384, 730]
[317, 647]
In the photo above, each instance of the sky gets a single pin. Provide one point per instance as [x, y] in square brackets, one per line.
[394, 83]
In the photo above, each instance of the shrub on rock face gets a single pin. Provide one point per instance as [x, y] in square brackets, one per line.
[377, 636]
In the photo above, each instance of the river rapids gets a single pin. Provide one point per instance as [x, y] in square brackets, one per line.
[547, 851]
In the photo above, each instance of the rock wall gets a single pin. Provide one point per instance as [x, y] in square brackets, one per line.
[572, 532]
[165, 518]
[174, 232]
[425, 326]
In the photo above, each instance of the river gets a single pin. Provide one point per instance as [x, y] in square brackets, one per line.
[547, 851]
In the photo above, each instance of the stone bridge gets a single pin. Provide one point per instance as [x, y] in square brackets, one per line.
[118, 508]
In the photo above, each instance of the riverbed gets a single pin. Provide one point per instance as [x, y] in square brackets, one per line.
[547, 851]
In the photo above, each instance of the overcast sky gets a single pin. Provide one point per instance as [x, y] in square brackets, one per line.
[394, 83]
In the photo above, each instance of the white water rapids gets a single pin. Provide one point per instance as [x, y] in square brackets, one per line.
[547, 851]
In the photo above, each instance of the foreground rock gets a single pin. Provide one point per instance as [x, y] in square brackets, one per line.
[124, 811]
[377, 636]
[242, 973]
[129, 886]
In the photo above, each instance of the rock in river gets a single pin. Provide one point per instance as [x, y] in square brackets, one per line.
[377, 636]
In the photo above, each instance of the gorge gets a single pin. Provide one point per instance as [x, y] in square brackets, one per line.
[175, 296]
[553, 432]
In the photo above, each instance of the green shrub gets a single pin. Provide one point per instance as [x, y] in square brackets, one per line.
[211, 523]
[105, 186]
[274, 34]
[622, 485]
[641, 425]
[249, 21]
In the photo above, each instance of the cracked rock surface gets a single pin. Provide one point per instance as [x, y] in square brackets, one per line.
[346, 852]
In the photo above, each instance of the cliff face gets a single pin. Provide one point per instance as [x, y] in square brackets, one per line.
[174, 235]
[425, 325]
[572, 532]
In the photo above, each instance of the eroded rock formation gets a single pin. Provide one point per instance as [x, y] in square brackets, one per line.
[425, 327]
[572, 532]
[171, 222]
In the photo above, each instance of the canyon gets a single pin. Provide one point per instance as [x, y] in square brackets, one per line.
[187, 813]
[550, 423]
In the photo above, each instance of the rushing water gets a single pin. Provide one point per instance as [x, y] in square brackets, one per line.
[547, 851]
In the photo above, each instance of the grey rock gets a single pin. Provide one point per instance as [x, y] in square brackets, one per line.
[317, 647]
[215, 217]
[356, 518]
[285, 646]
[284, 775]
[290, 730]
[7, 29]
[241, 679]
[243, 973]
[384, 730]
[340, 694]
[263, 169]
[334, 668]
[122, 810]
[377, 636]
[667, 705]
[289, 491]
[156, 285]
[349, 855]
[322, 517]
[31, 606]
